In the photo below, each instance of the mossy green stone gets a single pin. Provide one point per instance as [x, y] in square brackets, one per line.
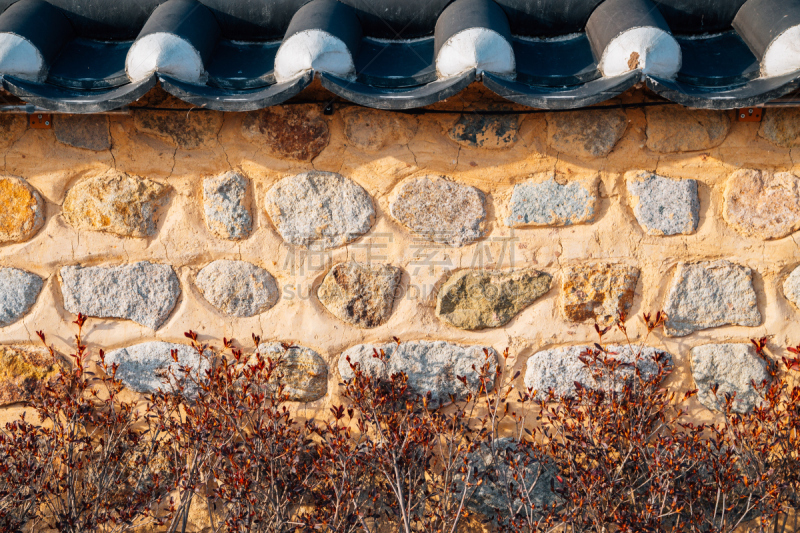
[480, 299]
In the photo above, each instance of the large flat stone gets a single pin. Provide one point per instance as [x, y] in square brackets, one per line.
[116, 203]
[149, 367]
[89, 132]
[302, 372]
[664, 206]
[237, 288]
[791, 287]
[360, 294]
[372, 130]
[25, 371]
[143, 292]
[225, 206]
[18, 292]
[587, 133]
[440, 210]
[431, 366]
[708, 294]
[320, 209]
[490, 132]
[672, 128]
[762, 204]
[189, 131]
[479, 299]
[597, 292]
[21, 210]
[289, 132]
[733, 367]
[550, 203]
[558, 369]
[781, 126]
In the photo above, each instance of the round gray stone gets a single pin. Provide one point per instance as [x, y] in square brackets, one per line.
[149, 366]
[143, 292]
[550, 203]
[734, 367]
[558, 369]
[237, 288]
[708, 294]
[664, 206]
[441, 210]
[225, 206]
[320, 209]
[431, 366]
[18, 292]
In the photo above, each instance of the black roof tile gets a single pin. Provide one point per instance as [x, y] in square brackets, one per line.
[393, 45]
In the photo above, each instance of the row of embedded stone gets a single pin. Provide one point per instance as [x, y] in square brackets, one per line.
[327, 210]
[301, 134]
[702, 295]
[432, 367]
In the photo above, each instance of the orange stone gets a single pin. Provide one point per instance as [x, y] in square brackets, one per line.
[21, 210]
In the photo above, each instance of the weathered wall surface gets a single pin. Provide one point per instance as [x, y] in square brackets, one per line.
[161, 222]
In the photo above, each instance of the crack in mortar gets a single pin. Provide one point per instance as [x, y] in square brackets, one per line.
[10, 149]
[222, 146]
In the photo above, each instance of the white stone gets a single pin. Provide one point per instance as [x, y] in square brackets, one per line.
[18, 292]
[19, 57]
[558, 369]
[476, 48]
[165, 53]
[237, 288]
[791, 287]
[313, 49]
[734, 368]
[650, 49]
[431, 366]
[709, 294]
[149, 367]
[319, 209]
[664, 206]
[225, 207]
[783, 54]
[143, 292]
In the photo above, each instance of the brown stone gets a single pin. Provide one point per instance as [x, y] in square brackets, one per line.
[762, 204]
[83, 131]
[12, 127]
[781, 126]
[24, 371]
[599, 292]
[673, 128]
[360, 294]
[586, 133]
[116, 203]
[491, 132]
[191, 130]
[21, 210]
[302, 371]
[290, 132]
[441, 210]
[372, 130]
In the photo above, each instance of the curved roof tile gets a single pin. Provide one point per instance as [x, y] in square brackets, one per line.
[239, 55]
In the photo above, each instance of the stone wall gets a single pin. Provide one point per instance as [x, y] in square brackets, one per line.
[451, 231]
